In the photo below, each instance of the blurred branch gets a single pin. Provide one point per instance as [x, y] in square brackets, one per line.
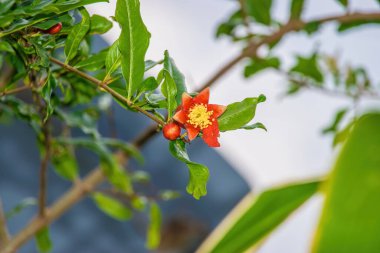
[4, 236]
[104, 86]
[14, 91]
[43, 169]
[291, 26]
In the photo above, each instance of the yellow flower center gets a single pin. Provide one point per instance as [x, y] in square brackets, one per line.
[199, 117]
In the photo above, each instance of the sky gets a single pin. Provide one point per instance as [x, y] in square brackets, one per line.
[293, 148]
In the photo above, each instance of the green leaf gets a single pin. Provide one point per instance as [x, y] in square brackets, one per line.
[255, 218]
[47, 91]
[127, 148]
[254, 126]
[43, 241]
[64, 161]
[178, 77]
[228, 27]
[333, 128]
[112, 207]
[169, 90]
[260, 10]
[296, 9]
[99, 24]
[134, 42]
[198, 173]
[239, 114]
[357, 24]
[6, 47]
[5, 5]
[154, 229]
[343, 2]
[257, 65]
[113, 60]
[308, 66]
[149, 84]
[350, 220]
[149, 64]
[77, 34]
[25, 203]
[94, 62]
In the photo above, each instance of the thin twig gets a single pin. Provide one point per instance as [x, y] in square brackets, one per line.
[115, 94]
[4, 235]
[44, 168]
[14, 91]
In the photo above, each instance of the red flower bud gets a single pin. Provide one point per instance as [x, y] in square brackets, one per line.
[171, 131]
[54, 29]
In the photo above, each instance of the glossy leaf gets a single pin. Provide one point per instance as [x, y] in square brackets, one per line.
[112, 207]
[257, 65]
[76, 36]
[308, 66]
[178, 77]
[296, 8]
[113, 60]
[169, 90]
[350, 220]
[255, 218]
[260, 10]
[43, 241]
[198, 173]
[133, 43]
[154, 229]
[239, 114]
[99, 24]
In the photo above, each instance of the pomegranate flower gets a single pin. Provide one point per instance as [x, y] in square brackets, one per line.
[197, 115]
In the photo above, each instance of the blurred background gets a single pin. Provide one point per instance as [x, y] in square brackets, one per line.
[292, 149]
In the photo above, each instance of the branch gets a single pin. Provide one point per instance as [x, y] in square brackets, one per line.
[4, 236]
[14, 91]
[291, 26]
[104, 86]
[44, 168]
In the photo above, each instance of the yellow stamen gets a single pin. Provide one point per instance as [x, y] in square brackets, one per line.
[199, 117]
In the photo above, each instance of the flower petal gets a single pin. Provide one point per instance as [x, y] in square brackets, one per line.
[187, 101]
[202, 97]
[192, 132]
[217, 109]
[180, 117]
[211, 134]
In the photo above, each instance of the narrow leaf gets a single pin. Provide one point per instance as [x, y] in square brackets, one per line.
[260, 10]
[112, 207]
[43, 241]
[134, 42]
[254, 126]
[154, 229]
[113, 60]
[76, 35]
[169, 90]
[350, 220]
[296, 9]
[178, 77]
[99, 24]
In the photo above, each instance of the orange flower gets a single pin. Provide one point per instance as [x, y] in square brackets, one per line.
[197, 115]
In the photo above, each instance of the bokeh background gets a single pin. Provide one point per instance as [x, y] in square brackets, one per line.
[292, 149]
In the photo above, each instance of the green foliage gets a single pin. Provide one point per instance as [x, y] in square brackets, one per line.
[238, 114]
[112, 207]
[93, 62]
[25, 203]
[44, 244]
[64, 161]
[308, 67]
[169, 90]
[344, 3]
[198, 173]
[350, 219]
[296, 9]
[178, 77]
[260, 10]
[154, 229]
[259, 64]
[76, 36]
[99, 24]
[134, 42]
[259, 216]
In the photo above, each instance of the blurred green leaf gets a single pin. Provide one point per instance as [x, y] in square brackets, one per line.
[357, 24]
[112, 207]
[309, 67]
[260, 10]
[64, 161]
[77, 34]
[255, 218]
[154, 229]
[25, 203]
[343, 2]
[254, 126]
[47, 91]
[133, 43]
[228, 27]
[257, 65]
[44, 244]
[99, 24]
[333, 127]
[350, 220]
[6, 47]
[239, 114]
[198, 173]
[296, 8]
